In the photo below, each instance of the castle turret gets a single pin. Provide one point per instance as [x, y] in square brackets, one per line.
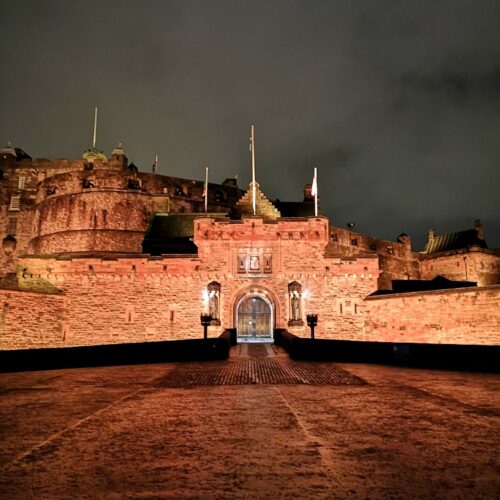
[118, 155]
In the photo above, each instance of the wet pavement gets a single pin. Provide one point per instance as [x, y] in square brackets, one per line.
[255, 426]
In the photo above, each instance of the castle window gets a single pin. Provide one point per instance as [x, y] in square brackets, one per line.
[11, 228]
[373, 247]
[15, 203]
[51, 190]
[22, 183]
[219, 196]
[129, 314]
[87, 184]
[354, 242]
[334, 237]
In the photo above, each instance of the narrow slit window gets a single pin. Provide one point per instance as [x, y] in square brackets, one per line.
[15, 203]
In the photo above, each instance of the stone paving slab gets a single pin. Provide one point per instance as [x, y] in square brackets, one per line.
[260, 371]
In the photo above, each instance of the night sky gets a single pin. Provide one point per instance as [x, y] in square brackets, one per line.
[396, 102]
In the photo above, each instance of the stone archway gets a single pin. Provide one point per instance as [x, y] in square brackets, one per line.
[254, 314]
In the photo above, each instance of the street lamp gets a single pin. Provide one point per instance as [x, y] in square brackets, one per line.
[205, 319]
[312, 321]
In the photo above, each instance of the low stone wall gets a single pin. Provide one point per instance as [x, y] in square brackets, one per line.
[442, 356]
[457, 316]
[112, 354]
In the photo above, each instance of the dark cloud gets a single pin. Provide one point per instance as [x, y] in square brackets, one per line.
[395, 102]
[458, 84]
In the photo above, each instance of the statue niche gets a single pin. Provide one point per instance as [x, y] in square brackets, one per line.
[295, 304]
[213, 289]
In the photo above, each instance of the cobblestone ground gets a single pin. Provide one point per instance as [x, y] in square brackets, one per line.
[255, 426]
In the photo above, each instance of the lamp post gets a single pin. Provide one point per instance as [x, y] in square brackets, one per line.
[312, 321]
[205, 320]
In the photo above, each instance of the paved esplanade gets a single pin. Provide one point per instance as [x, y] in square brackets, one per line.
[255, 426]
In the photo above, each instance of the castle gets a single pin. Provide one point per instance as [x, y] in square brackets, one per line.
[96, 252]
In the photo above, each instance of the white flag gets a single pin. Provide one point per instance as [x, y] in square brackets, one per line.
[314, 189]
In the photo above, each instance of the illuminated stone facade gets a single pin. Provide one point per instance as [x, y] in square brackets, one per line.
[74, 271]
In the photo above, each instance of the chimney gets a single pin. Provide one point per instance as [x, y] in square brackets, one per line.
[479, 229]
[307, 193]
[405, 240]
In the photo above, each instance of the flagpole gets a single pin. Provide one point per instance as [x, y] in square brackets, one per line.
[206, 189]
[155, 164]
[252, 147]
[316, 195]
[95, 128]
[314, 191]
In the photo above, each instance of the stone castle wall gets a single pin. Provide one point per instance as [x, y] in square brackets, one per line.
[57, 214]
[481, 266]
[94, 220]
[134, 299]
[458, 316]
[138, 299]
[141, 299]
[31, 320]
[397, 261]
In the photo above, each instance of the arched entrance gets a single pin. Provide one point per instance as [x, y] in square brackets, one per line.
[254, 319]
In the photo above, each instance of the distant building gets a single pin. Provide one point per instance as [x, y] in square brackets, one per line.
[95, 251]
